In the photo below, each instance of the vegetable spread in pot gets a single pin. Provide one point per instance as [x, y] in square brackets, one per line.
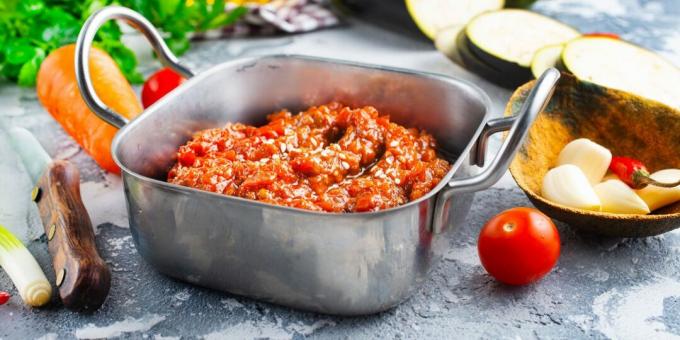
[329, 158]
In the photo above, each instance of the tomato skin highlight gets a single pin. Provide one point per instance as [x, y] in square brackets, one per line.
[603, 34]
[4, 297]
[519, 246]
[159, 84]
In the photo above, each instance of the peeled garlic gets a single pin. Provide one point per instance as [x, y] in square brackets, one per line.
[445, 41]
[568, 185]
[618, 198]
[592, 158]
[657, 197]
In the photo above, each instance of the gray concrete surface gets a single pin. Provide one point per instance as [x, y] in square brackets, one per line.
[601, 288]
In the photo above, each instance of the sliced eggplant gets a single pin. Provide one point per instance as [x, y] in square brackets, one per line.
[391, 15]
[560, 65]
[471, 62]
[545, 58]
[508, 39]
[433, 15]
[621, 65]
[445, 42]
[510, 69]
[519, 3]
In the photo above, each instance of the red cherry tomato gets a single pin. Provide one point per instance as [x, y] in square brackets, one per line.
[602, 34]
[4, 297]
[159, 84]
[519, 246]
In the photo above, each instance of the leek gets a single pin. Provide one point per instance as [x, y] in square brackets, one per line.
[24, 271]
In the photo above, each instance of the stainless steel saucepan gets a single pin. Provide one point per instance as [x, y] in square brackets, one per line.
[349, 264]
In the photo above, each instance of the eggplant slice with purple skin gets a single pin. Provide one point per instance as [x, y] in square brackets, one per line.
[451, 42]
[508, 39]
[546, 58]
[431, 16]
[487, 71]
[417, 18]
[621, 65]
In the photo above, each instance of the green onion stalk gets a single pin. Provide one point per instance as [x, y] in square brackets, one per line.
[23, 269]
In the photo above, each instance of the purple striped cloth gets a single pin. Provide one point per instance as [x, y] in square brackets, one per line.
[278, 16]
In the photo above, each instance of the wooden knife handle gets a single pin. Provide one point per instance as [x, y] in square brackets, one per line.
[82, 276]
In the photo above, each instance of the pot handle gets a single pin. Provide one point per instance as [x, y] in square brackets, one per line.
[84, 43]
[518, 125]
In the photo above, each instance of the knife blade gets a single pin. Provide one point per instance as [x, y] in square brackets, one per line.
[82, 276]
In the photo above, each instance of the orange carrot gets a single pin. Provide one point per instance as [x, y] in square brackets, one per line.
[59, 94]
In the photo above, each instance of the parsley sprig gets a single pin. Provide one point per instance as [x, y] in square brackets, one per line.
[31, 29]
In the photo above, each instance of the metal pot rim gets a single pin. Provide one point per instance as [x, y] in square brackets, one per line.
[120, 135]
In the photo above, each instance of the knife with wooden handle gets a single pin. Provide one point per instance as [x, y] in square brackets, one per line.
[81, 275]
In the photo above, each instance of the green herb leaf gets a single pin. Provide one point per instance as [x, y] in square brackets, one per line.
[29, 70]
[125, 59]
[31, 29]
[168, 8]
[19, 52]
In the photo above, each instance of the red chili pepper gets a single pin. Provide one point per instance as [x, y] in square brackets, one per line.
[603, 34]
[634, 173]
[4, 297]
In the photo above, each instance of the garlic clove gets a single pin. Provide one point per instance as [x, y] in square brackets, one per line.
[568, 185]
[592, 158]
[657, 197]
[618, 198]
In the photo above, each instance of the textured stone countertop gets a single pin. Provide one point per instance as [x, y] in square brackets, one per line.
[601, 288]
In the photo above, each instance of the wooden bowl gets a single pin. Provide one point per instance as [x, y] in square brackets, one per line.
[626, 124]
